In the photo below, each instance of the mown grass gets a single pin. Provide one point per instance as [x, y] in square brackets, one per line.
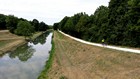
[3, 43]
[75, 60]
[60, 35]
[35, 35]
[43, 74]
[7, 38]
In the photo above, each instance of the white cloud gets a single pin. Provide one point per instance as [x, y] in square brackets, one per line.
[49, 11]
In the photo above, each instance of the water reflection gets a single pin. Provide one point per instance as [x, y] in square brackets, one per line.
[27, 61]
[42, 40]
[23, 53]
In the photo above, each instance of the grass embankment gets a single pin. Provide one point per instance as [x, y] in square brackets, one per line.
[48, 63]
[75, 60]
[36, 35]
[9, 41]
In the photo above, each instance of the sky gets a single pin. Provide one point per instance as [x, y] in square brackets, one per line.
[49, 11]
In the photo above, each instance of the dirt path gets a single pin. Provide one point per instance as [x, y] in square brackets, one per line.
[75, 60]
[100, 45]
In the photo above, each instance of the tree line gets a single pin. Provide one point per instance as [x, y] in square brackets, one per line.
[21, 26]
[118, 24]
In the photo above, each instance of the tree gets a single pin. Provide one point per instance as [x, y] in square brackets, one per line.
[43, 26]
[68, 27]
[81, 26]
[24, 28]
[55, 26]
[118, 24]
[100, 23]
[11, 23]
[2, 22]
[35, 23]
[63, 22]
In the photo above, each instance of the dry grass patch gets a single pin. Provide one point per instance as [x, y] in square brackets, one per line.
[9, 41]
[75, 60]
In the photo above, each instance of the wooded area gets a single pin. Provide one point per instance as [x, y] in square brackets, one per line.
[118, 24]
[21, 26]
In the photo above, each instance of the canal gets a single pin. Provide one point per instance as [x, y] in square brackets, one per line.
[27, 61]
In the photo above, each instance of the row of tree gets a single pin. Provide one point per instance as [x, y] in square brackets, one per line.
[21, 26]
[118, 24]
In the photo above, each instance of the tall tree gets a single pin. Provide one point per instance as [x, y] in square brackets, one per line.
[100, 23]
[55, 26]
[63, 22]
[35, 23]
[11, 22]
[68, 27]
[118, 24]
[2, 22]
[81, 26]
[24, 28]
[43, 26]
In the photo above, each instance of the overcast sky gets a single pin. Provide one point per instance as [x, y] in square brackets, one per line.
[49, 11]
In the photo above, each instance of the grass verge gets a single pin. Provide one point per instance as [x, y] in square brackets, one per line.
[3, 43]
[8, 44]
[75, 60]
[43, 74]
[37, 34]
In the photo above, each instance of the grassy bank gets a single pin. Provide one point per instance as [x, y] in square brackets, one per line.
[75, 60]
[9, 41]
[43, 74]
[37, 34]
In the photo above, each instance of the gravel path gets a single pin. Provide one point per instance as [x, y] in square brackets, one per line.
[100, 45]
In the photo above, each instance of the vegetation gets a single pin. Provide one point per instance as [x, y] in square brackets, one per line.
[21, 26]
[118, 24]
[2, 22]
[37, 34]
[11, 23]
[75, 60]
[63, 77]
[10, 42]
[3, 43]
[24, 28]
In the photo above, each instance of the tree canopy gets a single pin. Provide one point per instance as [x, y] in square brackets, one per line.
[24, 28]
[2, 22]
[21, 26]
[118, 24]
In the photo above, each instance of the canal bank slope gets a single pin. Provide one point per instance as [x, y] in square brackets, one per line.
[75, 60]
[9, 41]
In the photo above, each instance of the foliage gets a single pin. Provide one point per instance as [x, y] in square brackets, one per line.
[2, 21]
[55, 26]
[118, 24]
[43, 26]
[11, 23]
[63, 21]
[24, 28]
[35, 23]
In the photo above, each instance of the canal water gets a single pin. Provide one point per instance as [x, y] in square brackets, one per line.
[27, 61]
